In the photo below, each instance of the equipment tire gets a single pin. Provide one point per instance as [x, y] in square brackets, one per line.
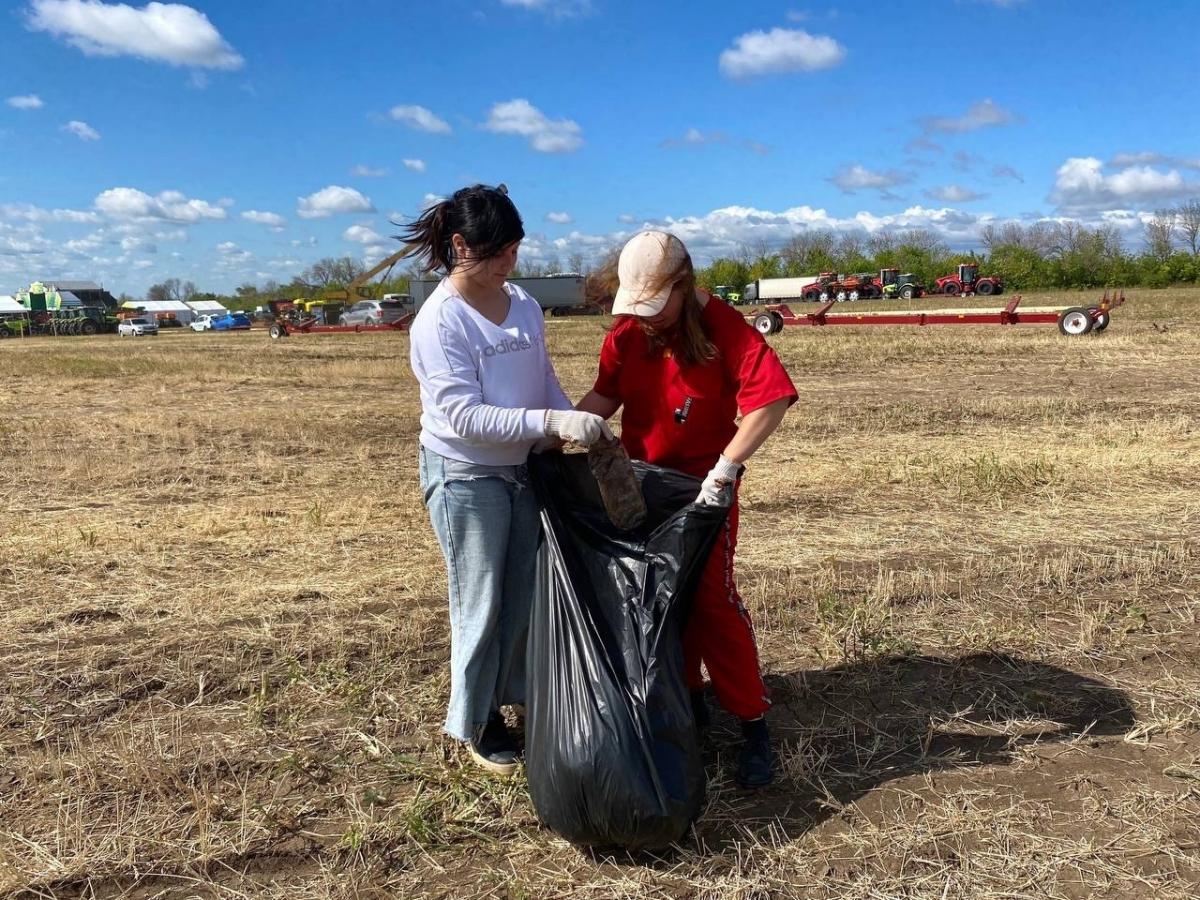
[906, 293]
[1100, 320]
[764, 323]
[986, 288]
[777, 320]
[88, 327]
[1075, 321]
[951, 289]
[278, 331]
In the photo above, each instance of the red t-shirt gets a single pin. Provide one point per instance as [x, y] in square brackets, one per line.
[683, 417]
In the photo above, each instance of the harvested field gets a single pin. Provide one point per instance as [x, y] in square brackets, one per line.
[971, 556]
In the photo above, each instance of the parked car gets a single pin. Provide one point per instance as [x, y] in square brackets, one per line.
[137, 327]
[231, 321]
[375, 312]
[203, 322]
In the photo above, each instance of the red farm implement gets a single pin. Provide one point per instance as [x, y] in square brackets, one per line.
[285, 328]
[1073, 320]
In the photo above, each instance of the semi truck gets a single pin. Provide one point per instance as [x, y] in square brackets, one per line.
[777, 290]
[556, 294]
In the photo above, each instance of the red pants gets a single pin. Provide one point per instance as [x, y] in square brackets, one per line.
[720, 635]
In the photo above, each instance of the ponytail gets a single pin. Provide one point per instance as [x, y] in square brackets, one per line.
[484, 216]
[427, 239]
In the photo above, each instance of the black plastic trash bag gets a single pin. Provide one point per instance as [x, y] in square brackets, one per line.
[611, 749]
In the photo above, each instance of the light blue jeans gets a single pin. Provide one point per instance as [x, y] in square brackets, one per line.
[486, 521]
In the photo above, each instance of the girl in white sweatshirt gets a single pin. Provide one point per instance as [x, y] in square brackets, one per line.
[488, 395]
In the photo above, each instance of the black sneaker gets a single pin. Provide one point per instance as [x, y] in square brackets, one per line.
[493, 748]
[756, 762]
[700, 713]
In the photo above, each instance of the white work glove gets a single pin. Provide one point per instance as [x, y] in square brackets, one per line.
[581, 428]
[717, 489]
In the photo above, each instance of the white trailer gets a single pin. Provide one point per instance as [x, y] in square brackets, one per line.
[555, 293]
[777, 290]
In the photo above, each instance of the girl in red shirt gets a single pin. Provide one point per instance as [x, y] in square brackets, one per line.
[684, 365]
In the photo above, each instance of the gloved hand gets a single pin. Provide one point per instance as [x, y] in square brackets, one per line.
[582, 428]
[717, 489]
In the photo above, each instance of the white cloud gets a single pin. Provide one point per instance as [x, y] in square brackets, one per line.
[361, 234]
[545, 135]
[559, 218]
[429, 200]
[1154, 159]
[954, 193]
[333, 200]
[415, 165]
[924, 143]
[26, 101]
[164, 32]
[856, 177]
[173, 206]
[420, 119]
[626, 219]
[82, 130]
[142, 243]
[985, 114]
[1082, 184]
[780, 50]
[694, 137]
[232, 255]
[1002, 171]
[31, 213]
[361, 171]
[556, 8]
[274, 221]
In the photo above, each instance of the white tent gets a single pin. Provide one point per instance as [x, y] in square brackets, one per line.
[10, 305]
[183, 312]
[212, 307]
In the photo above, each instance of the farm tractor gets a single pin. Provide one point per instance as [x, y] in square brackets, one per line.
[893, 284]
[968, 281]
[48, 314]
[728, 294]
[832, 286]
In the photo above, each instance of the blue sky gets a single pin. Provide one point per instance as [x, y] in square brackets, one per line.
[223, 142]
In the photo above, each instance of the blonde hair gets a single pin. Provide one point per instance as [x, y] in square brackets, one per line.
[687, 340]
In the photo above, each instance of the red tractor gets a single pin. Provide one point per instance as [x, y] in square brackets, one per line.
[967, 281]
[862, 283]
[826, 284]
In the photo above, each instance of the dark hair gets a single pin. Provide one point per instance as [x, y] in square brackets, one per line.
[484, 216]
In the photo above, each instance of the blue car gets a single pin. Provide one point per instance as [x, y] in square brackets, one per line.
[234, 321]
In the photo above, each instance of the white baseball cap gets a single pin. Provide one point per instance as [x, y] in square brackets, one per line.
[647, 262]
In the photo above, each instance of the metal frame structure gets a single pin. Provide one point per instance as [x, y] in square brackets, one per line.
[283, 328]
[1072, 320]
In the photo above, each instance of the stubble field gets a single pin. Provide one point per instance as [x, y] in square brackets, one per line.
[971, 555]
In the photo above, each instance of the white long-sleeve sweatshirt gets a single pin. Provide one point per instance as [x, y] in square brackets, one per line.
[485, 388]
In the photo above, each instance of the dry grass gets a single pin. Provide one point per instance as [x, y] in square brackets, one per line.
[971, 554]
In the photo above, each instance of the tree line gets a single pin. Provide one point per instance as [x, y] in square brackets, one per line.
[1043, 255]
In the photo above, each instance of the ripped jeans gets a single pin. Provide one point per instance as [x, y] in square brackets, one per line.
[486, 521]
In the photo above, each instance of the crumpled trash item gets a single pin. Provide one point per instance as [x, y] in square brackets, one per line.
[619, 487]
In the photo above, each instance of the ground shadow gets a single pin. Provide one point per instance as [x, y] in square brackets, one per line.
[846, 730]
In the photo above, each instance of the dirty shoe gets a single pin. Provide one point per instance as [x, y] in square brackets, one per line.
[756, 762]
[493, 748]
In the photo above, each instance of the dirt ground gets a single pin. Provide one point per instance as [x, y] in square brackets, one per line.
[970, 553]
